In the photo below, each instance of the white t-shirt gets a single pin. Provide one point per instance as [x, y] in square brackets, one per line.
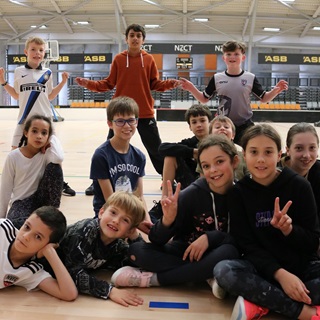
[21, 176]
[33, 87]
[29, 275]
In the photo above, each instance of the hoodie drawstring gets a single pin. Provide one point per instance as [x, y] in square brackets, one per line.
[141, 57]
[215, 214]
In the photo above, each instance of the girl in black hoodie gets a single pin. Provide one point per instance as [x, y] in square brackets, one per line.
[274, 221]
[197, 222]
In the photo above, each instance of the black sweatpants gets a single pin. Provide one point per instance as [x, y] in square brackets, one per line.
[240, 131]
[167, 261]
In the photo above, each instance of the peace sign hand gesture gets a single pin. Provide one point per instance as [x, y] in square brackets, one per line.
[280, 218]
[169, 205]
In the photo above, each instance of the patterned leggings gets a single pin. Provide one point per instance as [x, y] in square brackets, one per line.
[47, 194]
[240, 278]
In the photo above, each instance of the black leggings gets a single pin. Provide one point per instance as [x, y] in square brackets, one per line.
[47, 194]
[167, 261]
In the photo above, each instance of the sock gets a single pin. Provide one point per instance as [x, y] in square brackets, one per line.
[154, 281]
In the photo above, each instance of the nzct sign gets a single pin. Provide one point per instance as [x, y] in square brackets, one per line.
[172, 48]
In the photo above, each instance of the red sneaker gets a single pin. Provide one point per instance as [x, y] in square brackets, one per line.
[245, 310]
[317, 316]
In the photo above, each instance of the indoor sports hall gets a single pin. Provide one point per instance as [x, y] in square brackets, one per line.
[185, 38]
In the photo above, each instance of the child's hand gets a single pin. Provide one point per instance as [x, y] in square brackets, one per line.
[65, 76]
[197, 248]
[125, 297]
[293, 286]
[45, 147]
[185, 84]
[280, 219]
[2, 79]
[46, 249]
[145, 226]
[281, 86]
[81, 81]
[176, 83]
[169, 204]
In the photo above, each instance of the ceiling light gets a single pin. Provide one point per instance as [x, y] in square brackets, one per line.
[152, 26]
[201, 19]
[16, 2]
[271, 29]
[287, 0]
[41, 27]
[83, 22]
[316, 28]
[149, 1]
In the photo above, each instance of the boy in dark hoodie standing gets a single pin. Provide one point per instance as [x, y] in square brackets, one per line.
[134, 73]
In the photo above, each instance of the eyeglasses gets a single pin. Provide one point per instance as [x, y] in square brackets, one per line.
[122, 122]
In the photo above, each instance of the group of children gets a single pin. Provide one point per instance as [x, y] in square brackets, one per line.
[232, 216]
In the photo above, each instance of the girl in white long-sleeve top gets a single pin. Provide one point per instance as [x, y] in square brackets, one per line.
[32, 175]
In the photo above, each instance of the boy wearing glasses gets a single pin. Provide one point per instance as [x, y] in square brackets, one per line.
[116, 164]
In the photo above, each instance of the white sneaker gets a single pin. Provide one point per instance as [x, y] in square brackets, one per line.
[131, 277]
[217, 291]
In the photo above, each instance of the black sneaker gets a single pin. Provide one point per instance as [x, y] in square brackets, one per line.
[156, 211]
[67, 191]
[89, 190]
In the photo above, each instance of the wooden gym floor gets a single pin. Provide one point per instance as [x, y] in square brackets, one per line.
[81, 132]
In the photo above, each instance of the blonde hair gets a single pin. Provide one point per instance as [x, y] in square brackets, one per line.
[36, 40]
[223, 119]
[130, 203]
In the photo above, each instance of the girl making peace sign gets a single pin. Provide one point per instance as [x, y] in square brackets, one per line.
[274, 220]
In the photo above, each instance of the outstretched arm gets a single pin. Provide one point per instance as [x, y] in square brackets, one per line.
[83, 82]
[8, 87]
[55, 91]
[189, 86]
[63, 286]
[270, 95]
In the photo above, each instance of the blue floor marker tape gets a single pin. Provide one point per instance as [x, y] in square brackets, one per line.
[169, 305]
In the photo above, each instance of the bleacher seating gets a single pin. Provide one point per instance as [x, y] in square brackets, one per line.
[302, 97]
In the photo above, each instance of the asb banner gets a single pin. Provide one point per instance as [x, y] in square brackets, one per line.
[288, 58]
[72, 58]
